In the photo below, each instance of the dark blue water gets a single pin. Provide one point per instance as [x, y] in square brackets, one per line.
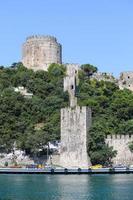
[66, 187]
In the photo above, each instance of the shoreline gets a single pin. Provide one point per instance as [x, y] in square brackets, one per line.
[66, 171]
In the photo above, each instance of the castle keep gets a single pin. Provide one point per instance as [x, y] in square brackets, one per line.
[39, 52]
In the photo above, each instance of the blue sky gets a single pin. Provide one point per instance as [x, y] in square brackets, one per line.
[99, 32]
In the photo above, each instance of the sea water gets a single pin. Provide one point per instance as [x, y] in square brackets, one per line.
[66, 187]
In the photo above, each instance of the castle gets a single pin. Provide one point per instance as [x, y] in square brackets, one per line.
[41, 51]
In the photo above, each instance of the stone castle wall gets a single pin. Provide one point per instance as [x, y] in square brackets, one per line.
[75, 123]
[120, 144]
[71, 82]
[99, 76]
[126, 80]
[40, 51]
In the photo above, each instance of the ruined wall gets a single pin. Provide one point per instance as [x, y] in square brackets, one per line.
[75, 123]
[120, 143]
[126, 80]
[71, 82]
[40, 51]
[101, 76]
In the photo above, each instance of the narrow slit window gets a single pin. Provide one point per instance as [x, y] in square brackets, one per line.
[72, 87]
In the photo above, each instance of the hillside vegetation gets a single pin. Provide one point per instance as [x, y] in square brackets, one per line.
[31, 123]
[112, 111]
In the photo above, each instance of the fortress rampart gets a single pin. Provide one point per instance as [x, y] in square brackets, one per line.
[120, 144]
[125, 80]
[119, 137]
[41, 37]
[39, 52]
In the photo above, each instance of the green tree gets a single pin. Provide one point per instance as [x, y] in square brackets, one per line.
[88, 69]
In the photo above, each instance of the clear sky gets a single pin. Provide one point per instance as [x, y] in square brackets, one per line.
[99, 32]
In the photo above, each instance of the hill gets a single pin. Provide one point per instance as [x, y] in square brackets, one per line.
[31, 122]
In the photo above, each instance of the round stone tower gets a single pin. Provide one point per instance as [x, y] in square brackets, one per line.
[41, 51]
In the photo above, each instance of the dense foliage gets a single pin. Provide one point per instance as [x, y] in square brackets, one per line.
[35, 121]
[112, 111]
[31, 123]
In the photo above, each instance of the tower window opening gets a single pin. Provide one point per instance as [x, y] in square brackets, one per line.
[72, 87]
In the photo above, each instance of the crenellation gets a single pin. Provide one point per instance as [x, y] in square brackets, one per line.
[122, 137]
[108, 137]
[41, 37]
[119, 137]
[120, 143]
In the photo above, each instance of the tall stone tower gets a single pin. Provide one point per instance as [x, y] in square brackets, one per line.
[75, 124]
[40, 51]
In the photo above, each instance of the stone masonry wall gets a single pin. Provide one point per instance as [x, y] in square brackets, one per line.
[71, 82]
[120, 144]
[75, 123]
[41, 51]
[126, 80]
[100, 76]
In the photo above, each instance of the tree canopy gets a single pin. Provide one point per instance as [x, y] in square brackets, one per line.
[20, 116]
[31, 123]
[112, 111]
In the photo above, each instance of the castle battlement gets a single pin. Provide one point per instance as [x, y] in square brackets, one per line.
[41, 37]
[72, 64]
[127, 73]
[120, 143]
[119, 137]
